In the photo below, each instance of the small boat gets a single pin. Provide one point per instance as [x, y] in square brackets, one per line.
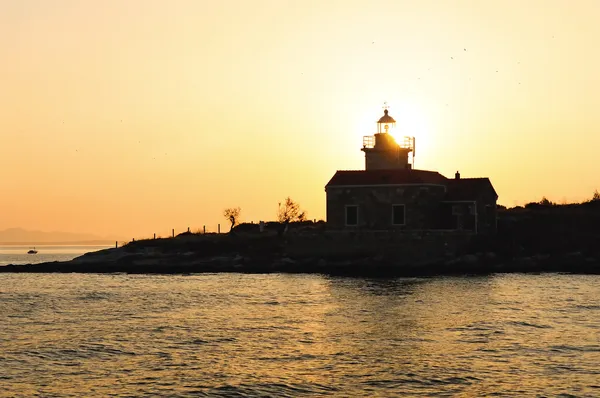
[32, 251]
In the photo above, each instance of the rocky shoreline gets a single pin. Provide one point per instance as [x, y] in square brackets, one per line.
[405, 256]
[539, 237]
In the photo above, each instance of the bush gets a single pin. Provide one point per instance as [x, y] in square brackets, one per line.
[546, 202]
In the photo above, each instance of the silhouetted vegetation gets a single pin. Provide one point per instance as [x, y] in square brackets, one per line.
[544, 202]
[289, 211]
[233, 216]
[547, 228]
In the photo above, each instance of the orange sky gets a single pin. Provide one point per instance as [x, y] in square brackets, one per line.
[133, 117]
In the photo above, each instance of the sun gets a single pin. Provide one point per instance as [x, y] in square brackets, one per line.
[410, 122]
[411, 118]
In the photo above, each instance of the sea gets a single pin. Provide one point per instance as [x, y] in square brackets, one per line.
[278, 335]
[17, 254]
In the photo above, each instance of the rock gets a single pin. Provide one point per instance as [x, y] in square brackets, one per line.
[499, 267]
[147, 262]
[490, 256]
[526, 263]
[282, 262]
[219, 259]
[452, 262]
[470, 259]
[574, 255]
[378, 258]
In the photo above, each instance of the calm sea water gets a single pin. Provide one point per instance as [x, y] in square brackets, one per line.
[71, 335]
[17, 254]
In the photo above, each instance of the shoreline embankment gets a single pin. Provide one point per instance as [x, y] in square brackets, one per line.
[533, 239]
[382, 254]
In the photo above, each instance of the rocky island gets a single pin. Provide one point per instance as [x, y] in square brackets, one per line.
[540, 237]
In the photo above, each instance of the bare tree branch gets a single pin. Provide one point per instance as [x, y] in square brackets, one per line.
[289, 211]
[232, 214]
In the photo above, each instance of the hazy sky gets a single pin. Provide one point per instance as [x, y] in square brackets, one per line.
[130, 117]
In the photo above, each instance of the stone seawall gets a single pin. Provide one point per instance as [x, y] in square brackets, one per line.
[422, 253]
[406, 247]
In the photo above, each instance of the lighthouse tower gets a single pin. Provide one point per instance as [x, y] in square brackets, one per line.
[382, 152]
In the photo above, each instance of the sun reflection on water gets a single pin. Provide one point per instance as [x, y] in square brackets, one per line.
[290, 335]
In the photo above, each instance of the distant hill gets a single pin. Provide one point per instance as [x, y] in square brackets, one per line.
[19, 235]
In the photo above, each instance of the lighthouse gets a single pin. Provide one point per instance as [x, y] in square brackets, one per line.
[382, 152]
[391, 195]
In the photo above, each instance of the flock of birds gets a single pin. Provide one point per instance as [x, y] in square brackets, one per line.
[452, 58]
[464, 49]
[373, 42]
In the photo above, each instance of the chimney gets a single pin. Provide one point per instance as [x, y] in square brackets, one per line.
[457, 176]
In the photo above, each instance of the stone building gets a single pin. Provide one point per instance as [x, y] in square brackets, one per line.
[391, 195]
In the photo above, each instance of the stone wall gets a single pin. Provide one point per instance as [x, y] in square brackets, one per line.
[487, 215]
[459, 215]
[376, 159]
[406, 247]
[375, 206]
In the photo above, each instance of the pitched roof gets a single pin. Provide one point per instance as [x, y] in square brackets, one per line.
[384, 177]
[456, 189]
[467, 188]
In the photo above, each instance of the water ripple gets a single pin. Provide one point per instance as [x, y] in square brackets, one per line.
[296, 335]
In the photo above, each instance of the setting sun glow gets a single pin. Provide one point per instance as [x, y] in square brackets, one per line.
[137, 117]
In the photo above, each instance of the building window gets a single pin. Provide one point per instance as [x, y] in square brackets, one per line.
[489, 215]
[472, 210]
[351, 215]
[398, 215]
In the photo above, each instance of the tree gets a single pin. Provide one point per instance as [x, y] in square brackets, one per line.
[233, 216]
[289, 211]
[596, 196]
[546, 202]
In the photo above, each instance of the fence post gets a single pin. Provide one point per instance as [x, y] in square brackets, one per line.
[188, 229]
[116, 244]
[154, 236]
[218, 228]
[204, 229]
[173, 232]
